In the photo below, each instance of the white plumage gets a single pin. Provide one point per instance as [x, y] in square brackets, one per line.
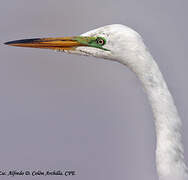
[126, 46]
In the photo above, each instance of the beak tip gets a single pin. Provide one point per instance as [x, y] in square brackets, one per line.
[7, 43]
[22, 41]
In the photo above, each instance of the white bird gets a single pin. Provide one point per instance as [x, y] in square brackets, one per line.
[124, 45]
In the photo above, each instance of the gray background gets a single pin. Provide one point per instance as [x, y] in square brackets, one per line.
[60, 111]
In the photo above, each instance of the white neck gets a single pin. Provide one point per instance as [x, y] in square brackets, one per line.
[169, 151]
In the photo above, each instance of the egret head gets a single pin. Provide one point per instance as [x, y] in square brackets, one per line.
[109, 42]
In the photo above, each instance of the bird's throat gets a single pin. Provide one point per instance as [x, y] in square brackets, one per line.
[169, 148]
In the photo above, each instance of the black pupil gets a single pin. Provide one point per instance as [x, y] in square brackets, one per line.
[100, 41]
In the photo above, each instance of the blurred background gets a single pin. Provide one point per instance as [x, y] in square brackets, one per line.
[60, 111]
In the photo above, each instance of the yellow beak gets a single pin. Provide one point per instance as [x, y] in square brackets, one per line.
[62, 43]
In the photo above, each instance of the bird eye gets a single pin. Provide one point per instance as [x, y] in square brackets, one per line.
[100, 41]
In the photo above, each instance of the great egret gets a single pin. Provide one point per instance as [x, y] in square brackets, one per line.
[120, 43]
